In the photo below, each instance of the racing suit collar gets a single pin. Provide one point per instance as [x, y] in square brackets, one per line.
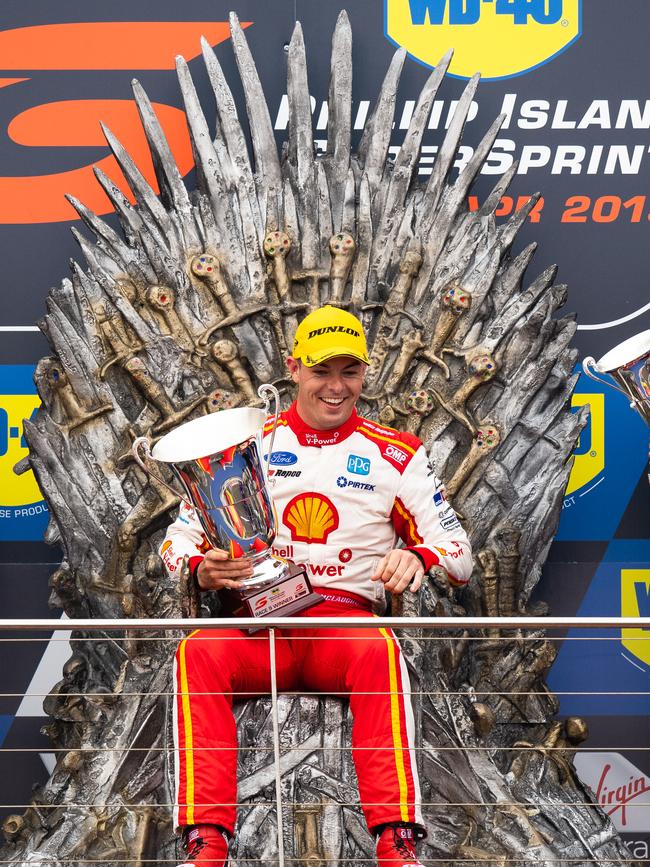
[308, 436]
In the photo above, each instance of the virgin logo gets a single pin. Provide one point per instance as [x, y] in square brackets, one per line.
[619, 787]
[618, 798]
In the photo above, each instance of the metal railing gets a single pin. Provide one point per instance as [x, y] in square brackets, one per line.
[522, 625]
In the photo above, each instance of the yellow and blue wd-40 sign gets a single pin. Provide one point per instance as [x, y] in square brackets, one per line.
[23, 512]
[608, 669]
[498, 38]
[635, 602]
[608, 473]
[609, 458]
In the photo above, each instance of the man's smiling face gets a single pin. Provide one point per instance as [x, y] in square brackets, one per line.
[327, 392]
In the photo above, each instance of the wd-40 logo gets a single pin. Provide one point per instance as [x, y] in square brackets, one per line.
[589, 453]
[608, 460]
[498, 38]
[635, 602]
[23, 513]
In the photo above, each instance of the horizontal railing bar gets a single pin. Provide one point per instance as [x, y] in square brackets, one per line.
[298, 804]
[525, 859]
[506, 639]
[305, 693]
[438, 623]
[463, 748]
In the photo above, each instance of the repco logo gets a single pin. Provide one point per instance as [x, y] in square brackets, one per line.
[66, 127]
[498, 38]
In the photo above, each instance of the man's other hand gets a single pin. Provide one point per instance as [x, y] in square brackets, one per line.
[217, 571]
[398, 569]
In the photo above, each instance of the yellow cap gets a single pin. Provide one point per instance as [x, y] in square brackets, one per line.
[328, 332]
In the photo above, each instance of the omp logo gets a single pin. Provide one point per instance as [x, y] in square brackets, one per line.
[23, 512]
[589, 453]
[37, 196]
[396, 454]
[498, 38]
[635, 602]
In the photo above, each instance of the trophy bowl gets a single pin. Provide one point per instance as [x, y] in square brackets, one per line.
[628, 365]
[218, 461]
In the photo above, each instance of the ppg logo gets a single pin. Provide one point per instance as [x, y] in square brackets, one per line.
[358, 465]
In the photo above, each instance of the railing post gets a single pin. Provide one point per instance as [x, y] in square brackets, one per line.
[276, 746]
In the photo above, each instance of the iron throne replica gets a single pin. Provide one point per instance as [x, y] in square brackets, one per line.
[186, 313]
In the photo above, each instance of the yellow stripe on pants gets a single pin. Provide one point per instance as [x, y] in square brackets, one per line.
[396, 727]
[187, 729]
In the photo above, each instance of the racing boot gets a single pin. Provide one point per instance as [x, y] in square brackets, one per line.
[396, 846]
[207, 846]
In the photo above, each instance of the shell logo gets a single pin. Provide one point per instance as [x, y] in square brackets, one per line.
[311, 517]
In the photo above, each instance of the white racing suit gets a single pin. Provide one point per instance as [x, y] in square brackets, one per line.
[343, 499]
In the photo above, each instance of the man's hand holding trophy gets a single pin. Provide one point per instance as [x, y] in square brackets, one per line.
[218, 460]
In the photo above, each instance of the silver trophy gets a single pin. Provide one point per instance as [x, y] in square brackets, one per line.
[218, 460]
[628, 364]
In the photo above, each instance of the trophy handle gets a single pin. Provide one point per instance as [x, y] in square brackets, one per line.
[266, 392]
[590, 362]
[144, 444]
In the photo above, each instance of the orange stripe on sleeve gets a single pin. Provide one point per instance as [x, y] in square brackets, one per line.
[404, 523]
[394, 441]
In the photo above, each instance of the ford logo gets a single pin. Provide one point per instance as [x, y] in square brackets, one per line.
[283, 459]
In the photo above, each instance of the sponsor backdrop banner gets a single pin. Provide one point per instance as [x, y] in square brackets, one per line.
[570, 79]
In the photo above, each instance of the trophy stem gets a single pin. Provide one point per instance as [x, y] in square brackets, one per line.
[265, 571]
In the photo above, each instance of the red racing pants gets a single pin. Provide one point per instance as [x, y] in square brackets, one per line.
[366, 664]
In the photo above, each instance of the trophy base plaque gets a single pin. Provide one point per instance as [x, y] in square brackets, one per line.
[282, 595]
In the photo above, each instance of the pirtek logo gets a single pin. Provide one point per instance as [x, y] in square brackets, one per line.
[62, 125]
[342, 482]
[334, 329]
